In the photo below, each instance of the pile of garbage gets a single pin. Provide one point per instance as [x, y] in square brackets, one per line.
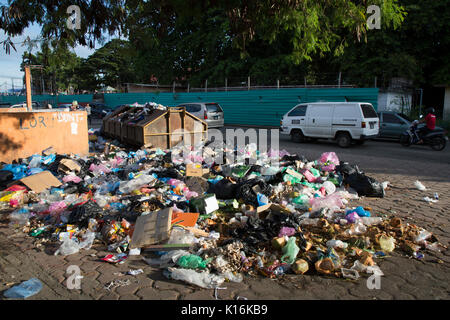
[205, 223]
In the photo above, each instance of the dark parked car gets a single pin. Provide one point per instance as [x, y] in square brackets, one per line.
[393, 124]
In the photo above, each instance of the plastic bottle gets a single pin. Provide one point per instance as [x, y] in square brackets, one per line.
[24, 290]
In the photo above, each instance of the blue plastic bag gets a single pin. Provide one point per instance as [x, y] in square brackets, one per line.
[17, 170]
[25, 289]
[32, 171]
[262, 199]
[359, 211]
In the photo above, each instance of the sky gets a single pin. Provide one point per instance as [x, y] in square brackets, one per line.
[10, 64]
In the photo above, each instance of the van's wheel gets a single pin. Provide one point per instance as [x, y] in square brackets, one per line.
[297, 136]
[343, 140]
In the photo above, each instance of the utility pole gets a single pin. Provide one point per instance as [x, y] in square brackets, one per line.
[339, 81]
[226, 84]
[206, 85]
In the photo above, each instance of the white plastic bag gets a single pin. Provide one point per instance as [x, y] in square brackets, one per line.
[201, 279]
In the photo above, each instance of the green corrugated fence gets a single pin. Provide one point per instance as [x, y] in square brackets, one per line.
[254, 107]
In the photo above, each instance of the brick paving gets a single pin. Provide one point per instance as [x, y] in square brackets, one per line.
[404, 277]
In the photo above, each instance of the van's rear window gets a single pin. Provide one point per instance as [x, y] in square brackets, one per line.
[368, 111]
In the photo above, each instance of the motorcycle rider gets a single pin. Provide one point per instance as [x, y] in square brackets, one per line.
[430, 120]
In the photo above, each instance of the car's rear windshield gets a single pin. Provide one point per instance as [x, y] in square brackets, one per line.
[193, 108]
[213, 107]
[368, 111]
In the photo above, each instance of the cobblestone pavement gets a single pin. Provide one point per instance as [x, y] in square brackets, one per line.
[404, 278]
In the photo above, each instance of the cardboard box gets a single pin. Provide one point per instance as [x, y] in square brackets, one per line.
[195, 170]
[152, 228]
[68, 165]
[41, 181]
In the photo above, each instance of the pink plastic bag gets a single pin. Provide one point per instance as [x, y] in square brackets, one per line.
[57, 206]
[99, 169]
[71, 178]
[332, 201]
[286, 231]
[328, 161]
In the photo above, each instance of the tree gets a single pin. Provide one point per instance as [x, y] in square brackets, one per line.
[312, 26]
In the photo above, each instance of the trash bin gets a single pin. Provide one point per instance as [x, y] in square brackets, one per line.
[158, 128]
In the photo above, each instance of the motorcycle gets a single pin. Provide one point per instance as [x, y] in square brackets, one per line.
[436, 139]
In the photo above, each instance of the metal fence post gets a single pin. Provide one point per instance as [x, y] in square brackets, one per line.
[206, 85]
[248, 83]
[226, 84]
[278, 84]
[339, 81]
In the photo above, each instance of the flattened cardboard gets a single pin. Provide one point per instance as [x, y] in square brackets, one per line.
[272, 206]
[41, 181]
[68, 165]
[185, 219]
[152, 228]
[195, 170]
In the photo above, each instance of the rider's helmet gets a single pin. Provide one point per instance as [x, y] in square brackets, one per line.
[430, 110]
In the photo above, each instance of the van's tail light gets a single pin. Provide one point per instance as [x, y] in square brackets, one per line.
[363, 124]
[281, 122]
[205, 116]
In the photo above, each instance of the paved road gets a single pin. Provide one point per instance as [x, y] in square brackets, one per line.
[405, 278]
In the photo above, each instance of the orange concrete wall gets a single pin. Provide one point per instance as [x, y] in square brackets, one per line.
[23, 134]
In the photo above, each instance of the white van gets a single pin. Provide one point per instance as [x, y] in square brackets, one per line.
[343, 121]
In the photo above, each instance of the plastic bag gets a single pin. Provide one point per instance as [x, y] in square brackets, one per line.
[364, 185]
[82, 213]
[25, 289]
[136, 183]
[88, 240]
[201, 279]
[192, 261]
[181, 236]
[328, 161]
[387, 244]
[290, 251]
[225, 189]
[68, 247]
[333, 201]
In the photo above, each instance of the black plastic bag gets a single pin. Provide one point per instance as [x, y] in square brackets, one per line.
[347, 169]
[364, 185]
[81, 214]
[246, 193]
[224, 189]
[5, 178]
